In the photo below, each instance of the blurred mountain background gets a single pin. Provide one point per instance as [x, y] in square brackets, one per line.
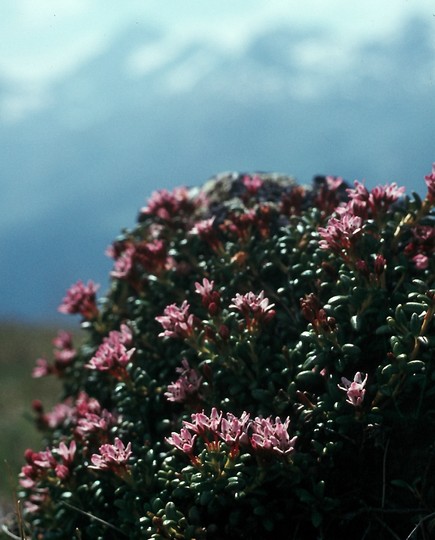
[159, 99]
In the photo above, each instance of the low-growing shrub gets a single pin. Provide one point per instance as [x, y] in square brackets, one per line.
[261, 366]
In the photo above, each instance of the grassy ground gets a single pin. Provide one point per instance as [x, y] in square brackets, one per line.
[20, 346]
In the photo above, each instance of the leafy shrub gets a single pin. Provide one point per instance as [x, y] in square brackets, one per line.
[262, 365]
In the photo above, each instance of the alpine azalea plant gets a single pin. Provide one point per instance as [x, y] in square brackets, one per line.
[262, 365]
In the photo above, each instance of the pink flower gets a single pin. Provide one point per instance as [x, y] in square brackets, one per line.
[82, 417]
[184, 440]
[177, 322]
[422, 246]
[169, 205]
[381, 197]
[328, 193]
[201, 423]
[112, 355]
[152, 256]
[64, 351]
[421, 261]
[61, 413]
[42, 368]
[233, 429]
[109, 357]
[91, 417]
[272, 436]
[62, 470]
[210, 298]
[131, 259]
[205, 289]
[85, 404]
[204, 227]
[255, 308]
[252, 184]
[207, 232]
[340, 233]
[112, 457]
[379, 264]
[66, 453]
[310, 307]
[123, 263]
[354, 389]
[92, 423]
[81, 299]
[43, 464]
[36, 499]
[240, 224]
[372, 203]
[430, 182]
[44, 459]
[185, 386]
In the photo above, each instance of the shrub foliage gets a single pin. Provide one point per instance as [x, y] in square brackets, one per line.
[262, 365]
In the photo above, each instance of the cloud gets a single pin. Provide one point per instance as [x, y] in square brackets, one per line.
[45, 30]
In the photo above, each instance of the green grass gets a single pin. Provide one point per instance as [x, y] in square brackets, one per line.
[20, 346]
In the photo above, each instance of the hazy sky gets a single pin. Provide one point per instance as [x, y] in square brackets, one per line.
[42, 41]
[104, 101]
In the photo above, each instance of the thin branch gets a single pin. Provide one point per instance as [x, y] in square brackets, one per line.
[393, 534]
[422, 520]
[95, 518]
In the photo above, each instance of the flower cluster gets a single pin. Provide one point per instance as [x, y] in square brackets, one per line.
[430, 183]
[372, 203]
[177, 321]
[47, 463]
[272, 436]
[355, 390]
[112, 457]
[131, 259]
[81, 299]
[113, 355]
[344, 229]
[260, 434]
[168, 206]
[64, 354]
[421, 248]
[341, 234]
[257, 339]
[186, 386]
[211, 299]
[252, 184]
[206, 230]
[84, 416]
[255, 308]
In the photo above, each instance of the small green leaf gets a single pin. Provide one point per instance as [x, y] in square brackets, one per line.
[415, 365]
[415, 325]
[351, 349]
[400, 483]
[356, 322]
